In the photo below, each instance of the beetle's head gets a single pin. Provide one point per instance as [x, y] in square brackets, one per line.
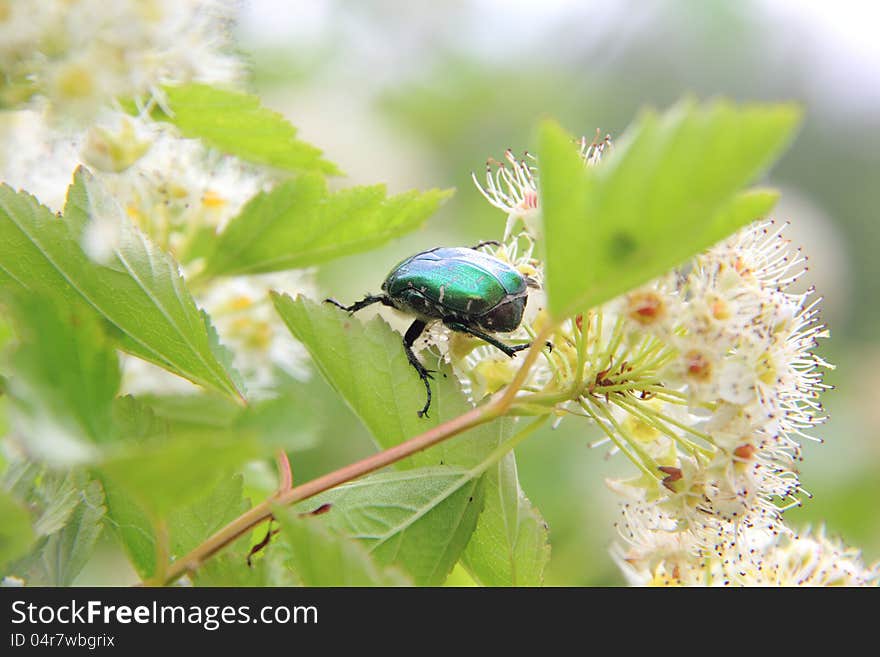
[504, 317]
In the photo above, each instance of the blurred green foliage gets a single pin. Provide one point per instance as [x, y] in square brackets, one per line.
[413, 98]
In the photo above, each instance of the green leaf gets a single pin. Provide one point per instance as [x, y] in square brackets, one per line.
[161, 475]
[66, 510]
[237, 124]
[4, 413]
[65, 375]
[50, 496]
[193, 411]
[510, 546]
[5, 332]
[206, 506]
[191, 525]
[59, 557]
[366, 364]
[299, 223]
[459, 578]
[67, 551]
[420, 519]
[132, 526]
[134, 421]
[287, 421]
[322, 557]
[669, 189]
[185, 483]
[16, 534]
[139, 291]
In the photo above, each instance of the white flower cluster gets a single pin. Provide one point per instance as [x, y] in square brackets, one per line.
[706, 379]
[513, 187]
[66, 65]
[76, 57]
[735, 388]
[786, 559]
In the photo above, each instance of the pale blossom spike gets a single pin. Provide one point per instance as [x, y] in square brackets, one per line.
[705, 378]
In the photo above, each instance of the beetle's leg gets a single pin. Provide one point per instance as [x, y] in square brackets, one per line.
[412, 334]
[477, 247]
[510, 350]
[368, 300]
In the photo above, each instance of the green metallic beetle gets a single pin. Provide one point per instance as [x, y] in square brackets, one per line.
[467, 290]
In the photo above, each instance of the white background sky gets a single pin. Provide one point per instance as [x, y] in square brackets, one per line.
[837, 40]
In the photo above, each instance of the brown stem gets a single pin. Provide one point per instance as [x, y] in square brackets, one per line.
[285, 475]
